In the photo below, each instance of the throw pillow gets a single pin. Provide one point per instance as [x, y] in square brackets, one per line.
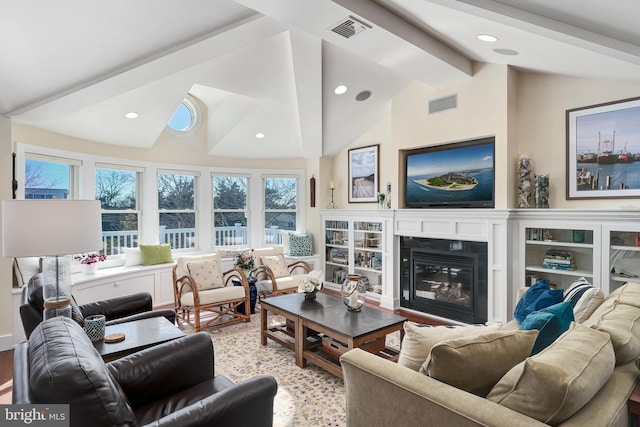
[284, 234]
[132, 256]
[539, 296]
[584, 298]
[475, 364]
[557, 382]
[551, 322]
[277, 265]
[155, 254]
[206, 274]
[419, 339]
[621, 321]
[24, 269]
[300, 244]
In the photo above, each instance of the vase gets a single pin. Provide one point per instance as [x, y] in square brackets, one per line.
[524, 181]
[353, 292]
[541, 191]
[89, 268]
[247, 272]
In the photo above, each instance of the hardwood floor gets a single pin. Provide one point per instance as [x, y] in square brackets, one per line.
[6, 357]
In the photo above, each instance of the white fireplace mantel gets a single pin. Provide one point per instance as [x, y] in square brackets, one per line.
[501, 229]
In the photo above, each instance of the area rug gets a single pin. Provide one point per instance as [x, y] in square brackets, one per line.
[306, 397]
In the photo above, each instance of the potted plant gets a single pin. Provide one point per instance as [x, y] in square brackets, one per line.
[89, 262]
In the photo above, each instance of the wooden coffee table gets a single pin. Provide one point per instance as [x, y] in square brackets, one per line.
[139, 334]
[320, 330]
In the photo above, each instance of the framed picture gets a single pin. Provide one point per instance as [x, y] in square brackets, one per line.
[603, 150]
[363, 174]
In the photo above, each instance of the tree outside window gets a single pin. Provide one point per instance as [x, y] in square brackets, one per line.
[230, 210]
[280, 207]
[117, 190]
[177, 212]
[48, 179]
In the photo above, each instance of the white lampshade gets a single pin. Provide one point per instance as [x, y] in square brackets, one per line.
[50, 227]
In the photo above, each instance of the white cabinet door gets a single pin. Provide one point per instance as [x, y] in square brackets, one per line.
[95, 291]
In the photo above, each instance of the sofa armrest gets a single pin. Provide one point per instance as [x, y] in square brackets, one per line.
[167, 368]
[380, 392]
[20, 390]
[248, 403]
[113, 308]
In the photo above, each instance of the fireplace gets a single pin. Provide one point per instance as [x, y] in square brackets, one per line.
[445, 278]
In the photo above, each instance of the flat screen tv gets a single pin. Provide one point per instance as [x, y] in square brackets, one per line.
[457, 175]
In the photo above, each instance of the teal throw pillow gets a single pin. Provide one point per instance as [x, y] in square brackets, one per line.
[155, 254]
[300, 244]
[551, 322]
[537, 297]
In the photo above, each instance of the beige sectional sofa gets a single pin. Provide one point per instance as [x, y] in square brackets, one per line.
[583, 378]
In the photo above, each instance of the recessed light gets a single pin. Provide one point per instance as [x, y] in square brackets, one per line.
[339, 90]
[509, 52]
[487, 38]
[131, 115]
[363, 96]
[259, 135]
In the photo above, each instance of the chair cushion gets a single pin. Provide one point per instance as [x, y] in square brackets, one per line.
[554, 384]
[476, 363]
[277, 265]
[212, 296]
[551, 322]
[584, 297]
[65, 367]
[419, 339]
[619, 316]
[265, 287]
[539, 296]
[300, 244]
[156, 254]
[207, 274]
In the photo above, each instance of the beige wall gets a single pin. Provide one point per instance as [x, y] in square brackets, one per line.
[542, 103]
[6, 309]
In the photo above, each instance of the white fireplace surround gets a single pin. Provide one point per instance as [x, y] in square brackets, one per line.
[502, 229]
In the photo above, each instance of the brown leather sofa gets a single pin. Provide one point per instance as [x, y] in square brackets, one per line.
[126, 308]
[171, 384]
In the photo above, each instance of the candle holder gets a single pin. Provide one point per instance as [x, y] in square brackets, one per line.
[332, 205]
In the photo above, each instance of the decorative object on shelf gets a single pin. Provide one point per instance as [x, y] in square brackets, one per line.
[312, 191]
[541, 188]
[547, 235]
[388, 197]
[363, 174]
[94, 326]
[354, 293]
[578, 236]
[596, 166]
[558, 259]
[524, 181]
[381, 197]
[74, 227]
[312, 284]
[245, 262]
[89, 262]
[332, 187]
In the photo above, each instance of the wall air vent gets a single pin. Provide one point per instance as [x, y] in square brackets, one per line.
[350, 27]
[443, 104]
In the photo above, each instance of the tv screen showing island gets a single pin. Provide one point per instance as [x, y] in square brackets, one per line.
[452, 175]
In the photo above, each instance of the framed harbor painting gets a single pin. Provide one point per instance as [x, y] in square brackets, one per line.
[363, 174]
[603, 150]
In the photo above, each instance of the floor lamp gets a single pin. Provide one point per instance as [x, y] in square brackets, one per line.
[54, 229]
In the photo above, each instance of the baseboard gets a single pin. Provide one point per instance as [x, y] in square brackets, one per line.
[6, 342]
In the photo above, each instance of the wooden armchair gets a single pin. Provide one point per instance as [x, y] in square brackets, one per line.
[274, 275]
[203, 291]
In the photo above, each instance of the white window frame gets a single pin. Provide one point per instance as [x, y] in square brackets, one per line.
[245, 210]
[194, 211]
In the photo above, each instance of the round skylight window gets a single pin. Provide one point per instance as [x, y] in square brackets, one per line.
[185, 119]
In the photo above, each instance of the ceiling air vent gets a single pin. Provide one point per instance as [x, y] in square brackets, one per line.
[350, 27]
[443, 104]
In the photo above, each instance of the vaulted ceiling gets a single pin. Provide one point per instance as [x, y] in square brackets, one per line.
[76, 67]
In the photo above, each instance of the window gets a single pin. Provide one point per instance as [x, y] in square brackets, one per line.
[280, 207]
[230, 210]
[186, 119]
[117, 188]
[48, 177]
[177, 209]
